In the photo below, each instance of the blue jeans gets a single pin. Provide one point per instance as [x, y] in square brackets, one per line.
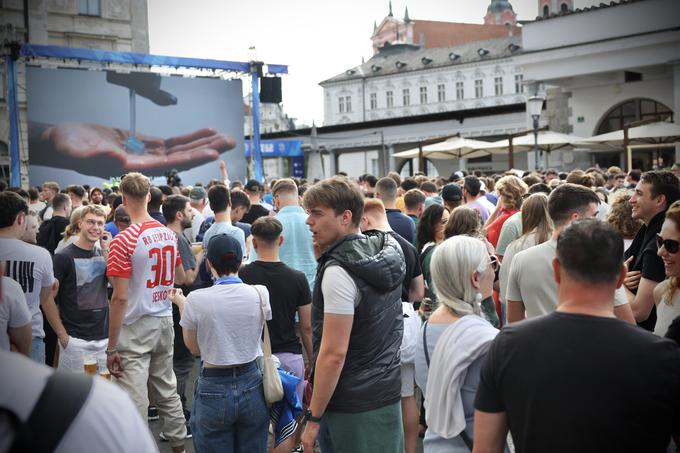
[38, 350]
[229, 413]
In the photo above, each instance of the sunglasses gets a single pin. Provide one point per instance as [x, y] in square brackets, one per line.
[670, 245]
[494, 262]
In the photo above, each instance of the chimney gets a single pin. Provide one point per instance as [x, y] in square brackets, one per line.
[421, 40]
[510, 30]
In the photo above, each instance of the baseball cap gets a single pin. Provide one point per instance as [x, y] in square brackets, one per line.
[253, 185]
[452, 192]
[224, 249]
[198, 193]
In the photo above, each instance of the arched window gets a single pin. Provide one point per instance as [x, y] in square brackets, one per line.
[564, 7]
[630, 111]
[546, 11]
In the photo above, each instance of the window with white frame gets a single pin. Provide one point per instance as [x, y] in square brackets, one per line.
[374, 101]
[479, 88]
[441, 92]
[389, 99]
[460, 91]
[348, 103]
[341, 104]
[423, 95]
[406, 95]
[519, 86]
[498, 86]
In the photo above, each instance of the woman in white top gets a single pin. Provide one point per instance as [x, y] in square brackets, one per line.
[72, 230]
[223, 324]
[666, 294]
[454, 342]
[536, 227]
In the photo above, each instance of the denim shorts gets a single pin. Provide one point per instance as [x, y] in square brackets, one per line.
[229, 413]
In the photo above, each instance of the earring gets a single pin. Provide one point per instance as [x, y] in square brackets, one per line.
[478, 298]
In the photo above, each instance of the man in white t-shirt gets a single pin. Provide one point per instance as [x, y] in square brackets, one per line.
[357, 325]
[27, 264]
[143, 264]
[532, 290]
[15, 319]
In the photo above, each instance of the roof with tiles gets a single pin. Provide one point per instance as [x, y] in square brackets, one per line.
[444, 34]
[404, 58]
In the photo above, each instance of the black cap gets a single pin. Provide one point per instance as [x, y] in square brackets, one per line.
[224, 249]
[253, 185]
[452, 192]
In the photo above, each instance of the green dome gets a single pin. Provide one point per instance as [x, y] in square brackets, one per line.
[498, 6]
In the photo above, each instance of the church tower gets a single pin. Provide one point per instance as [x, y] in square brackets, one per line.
[548, 7]
[500, 12]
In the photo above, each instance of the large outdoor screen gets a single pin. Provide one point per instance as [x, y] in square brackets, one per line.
[86, 127]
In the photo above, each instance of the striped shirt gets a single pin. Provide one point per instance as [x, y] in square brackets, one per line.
[146, 254]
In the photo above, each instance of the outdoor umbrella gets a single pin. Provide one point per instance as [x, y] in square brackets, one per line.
[453, 147]
[653, 135]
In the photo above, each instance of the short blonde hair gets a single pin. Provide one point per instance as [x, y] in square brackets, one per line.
[135, 185]
[374, 205]
[511, 189]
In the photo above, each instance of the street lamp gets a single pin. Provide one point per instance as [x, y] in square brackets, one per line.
[534, 107]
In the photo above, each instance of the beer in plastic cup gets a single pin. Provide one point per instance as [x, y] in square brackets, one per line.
[196, 247]
[103, 368]
[90, 364]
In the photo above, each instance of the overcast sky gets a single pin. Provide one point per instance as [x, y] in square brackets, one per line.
[317, 39]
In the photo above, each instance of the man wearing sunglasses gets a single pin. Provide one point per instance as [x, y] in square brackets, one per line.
[654, 193]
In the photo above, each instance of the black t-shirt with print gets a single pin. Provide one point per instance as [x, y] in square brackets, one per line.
[288, 290]
[577, 383]
[82, 298]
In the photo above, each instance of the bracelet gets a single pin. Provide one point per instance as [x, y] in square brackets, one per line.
[111, 351]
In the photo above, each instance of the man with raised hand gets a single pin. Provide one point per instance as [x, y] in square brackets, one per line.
[143, 264]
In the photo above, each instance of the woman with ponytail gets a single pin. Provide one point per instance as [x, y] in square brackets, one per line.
[454, 341]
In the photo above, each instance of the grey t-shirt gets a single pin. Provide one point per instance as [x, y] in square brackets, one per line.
[185, 253]
[532, 281]
[13, 310]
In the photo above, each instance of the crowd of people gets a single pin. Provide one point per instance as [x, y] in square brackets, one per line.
[528, 312]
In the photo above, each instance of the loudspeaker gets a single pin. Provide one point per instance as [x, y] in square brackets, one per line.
[270, 90]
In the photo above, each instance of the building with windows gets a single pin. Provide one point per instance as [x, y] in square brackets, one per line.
[622, 66]
[423, 69]
[118, 25]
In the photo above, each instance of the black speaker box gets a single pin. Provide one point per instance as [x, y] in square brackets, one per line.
[270, 90]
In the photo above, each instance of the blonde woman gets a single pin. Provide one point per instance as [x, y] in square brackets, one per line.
[72, 230]
[537, 228]
[454, 342]
[666, 294]
[510, 191]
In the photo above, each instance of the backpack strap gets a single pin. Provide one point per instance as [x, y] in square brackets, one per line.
[57, 407]
[427, 354]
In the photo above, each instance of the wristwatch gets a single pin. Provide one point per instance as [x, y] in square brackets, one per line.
[309, 417]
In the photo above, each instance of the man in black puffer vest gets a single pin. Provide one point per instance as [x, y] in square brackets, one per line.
[357, 326]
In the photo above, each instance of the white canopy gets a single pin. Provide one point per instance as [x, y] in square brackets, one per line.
[653, 133]
[453, 147]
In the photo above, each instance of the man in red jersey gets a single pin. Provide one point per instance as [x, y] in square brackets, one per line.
[143, 264]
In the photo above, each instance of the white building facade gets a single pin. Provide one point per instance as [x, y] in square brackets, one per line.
[622, 66]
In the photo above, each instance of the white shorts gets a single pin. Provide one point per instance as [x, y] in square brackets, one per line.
[408, 379]
[72, 358]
